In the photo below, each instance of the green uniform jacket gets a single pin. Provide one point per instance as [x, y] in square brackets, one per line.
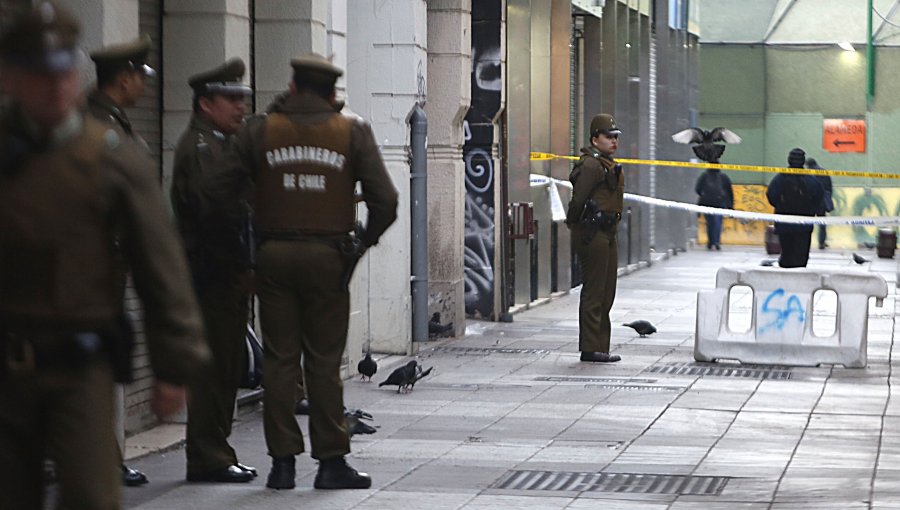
[147, 242]
[378, 191]
[595, 177]
[103, 108]
[212, 248]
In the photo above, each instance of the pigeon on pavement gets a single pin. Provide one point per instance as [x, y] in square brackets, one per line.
[436, 329]
[419, 375]
[402, 377]
[859, 259]
[643, 327]
[367, 367]
[768, 262]
[355, 425]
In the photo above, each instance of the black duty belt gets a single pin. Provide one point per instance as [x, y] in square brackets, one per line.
[30, 351]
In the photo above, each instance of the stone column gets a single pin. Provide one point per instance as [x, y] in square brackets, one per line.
[214, 30]
[102, 23]
[449, 96]
[386, 70]
[285, 29]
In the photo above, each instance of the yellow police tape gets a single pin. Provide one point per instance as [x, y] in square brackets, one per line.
[543, 156]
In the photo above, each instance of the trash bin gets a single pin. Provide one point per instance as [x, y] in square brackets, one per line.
[773, 247]
[887, 243]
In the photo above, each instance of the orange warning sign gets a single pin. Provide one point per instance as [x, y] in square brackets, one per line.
[844, 135]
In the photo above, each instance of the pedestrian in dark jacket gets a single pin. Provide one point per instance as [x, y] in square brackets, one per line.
[714, 189]
[794, 194]
[827, 204]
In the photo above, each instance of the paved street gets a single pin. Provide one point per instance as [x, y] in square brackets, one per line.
[511, 419]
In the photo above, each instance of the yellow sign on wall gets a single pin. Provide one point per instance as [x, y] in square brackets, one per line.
[847, 202]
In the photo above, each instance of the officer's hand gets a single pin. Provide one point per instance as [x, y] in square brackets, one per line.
[167, 399]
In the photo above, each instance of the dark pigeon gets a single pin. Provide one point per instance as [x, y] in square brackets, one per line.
[420, 374]
[768, 262]
[704, 142]
[367, 367]
[643, 328]
[436, 329]
[859, 259]
[353, 419]
[402, 377]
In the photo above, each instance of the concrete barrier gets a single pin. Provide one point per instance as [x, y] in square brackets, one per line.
[781, 320]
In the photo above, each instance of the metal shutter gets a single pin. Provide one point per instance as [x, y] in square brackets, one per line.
[146, 115]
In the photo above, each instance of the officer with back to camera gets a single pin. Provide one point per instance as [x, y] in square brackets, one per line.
[305, 159]
[78, 203]
[598, 187]
[220, 261]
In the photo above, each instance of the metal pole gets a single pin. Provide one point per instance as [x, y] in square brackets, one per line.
[870, 61]
[419, 218]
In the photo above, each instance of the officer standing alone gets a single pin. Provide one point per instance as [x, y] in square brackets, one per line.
[593, 215]
[305, 159]
[220, 265]
[78, 203]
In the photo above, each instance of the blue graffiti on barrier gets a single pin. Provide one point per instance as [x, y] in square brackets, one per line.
[781, 315]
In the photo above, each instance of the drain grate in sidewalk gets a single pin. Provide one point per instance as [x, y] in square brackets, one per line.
[713, 369]
[634, 483]
[488, 350]
[612, 383]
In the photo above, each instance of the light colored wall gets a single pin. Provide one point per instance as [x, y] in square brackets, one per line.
[449, 96]
[386, 75]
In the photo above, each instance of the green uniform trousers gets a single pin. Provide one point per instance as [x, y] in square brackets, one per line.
[68, 413]
[599, 265]
[303, 312]
[225, 308]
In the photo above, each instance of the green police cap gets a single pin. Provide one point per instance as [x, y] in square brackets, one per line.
[314, 68]
[604, 123]
[43, 39]
[127, 56]
[224, 79]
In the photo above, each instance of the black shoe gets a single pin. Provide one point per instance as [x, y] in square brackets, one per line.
[230, 474]
[282, 474]
[302, 407]
[337, 474]
[599, 357]
[248, 469]
[133, 477]
[718, 247]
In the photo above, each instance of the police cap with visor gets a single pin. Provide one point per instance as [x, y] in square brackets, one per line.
[604, 124]
[315, 69]
[43, 39]
[224, 79]
[130, 56]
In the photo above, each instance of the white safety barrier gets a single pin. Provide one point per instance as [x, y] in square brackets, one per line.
[781, 322]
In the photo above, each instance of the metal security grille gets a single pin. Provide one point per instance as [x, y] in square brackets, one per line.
[632, 483]
[488, 350]
[745, 371]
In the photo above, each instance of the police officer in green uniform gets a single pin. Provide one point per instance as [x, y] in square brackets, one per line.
[122, 72]
[305, 159]
[121, 75]
[77, 205]
[220, 264]
[593, 215]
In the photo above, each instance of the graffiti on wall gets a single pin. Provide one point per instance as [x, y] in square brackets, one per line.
[478, 127]
[849, 201]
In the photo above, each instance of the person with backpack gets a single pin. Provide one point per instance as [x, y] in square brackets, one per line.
[800, 195]
[714, 189]
[827, 204]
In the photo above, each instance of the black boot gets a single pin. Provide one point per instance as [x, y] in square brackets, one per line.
[282, 474]
[599, 357]
[302, 407]
[337, 474]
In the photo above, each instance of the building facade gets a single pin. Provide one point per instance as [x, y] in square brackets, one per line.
[498, 79]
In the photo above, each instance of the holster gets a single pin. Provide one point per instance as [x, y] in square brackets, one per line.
[595, 220]
[119, 343]
[352, 249]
